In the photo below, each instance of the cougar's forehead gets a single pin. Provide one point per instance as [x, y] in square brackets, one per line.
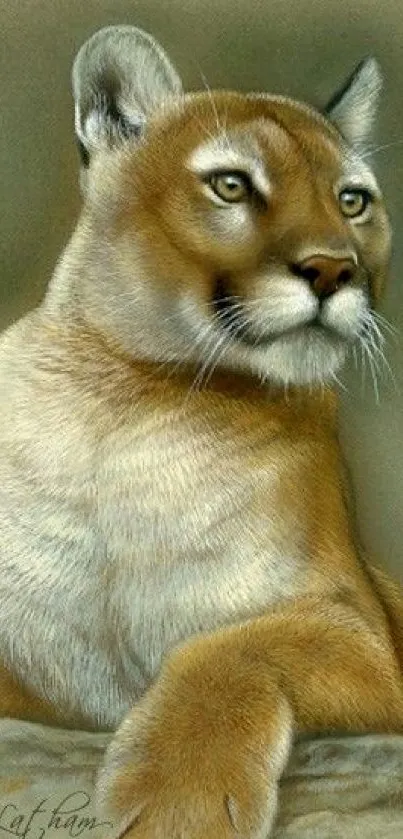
[273, 135]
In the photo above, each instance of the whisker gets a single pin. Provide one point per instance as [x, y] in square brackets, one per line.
[373, 374]
[222, 345]
[373, 353]
[221, 127]
[380, 359]
[377, 149]
[229, 299]
[385, 324]
[370, 323]
[366, 355]
[377, 341]
[198, 380]
[363, 363]
[189, 354]
[339, 383]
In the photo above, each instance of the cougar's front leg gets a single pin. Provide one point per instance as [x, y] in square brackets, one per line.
[201, 755]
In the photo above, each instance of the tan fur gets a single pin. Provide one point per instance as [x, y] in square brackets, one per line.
[17, 701]
[174, 534]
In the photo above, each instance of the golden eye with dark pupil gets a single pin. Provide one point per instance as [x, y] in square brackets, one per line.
[231, 187]
[354, 202]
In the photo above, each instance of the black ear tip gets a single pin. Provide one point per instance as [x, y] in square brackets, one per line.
[368, 61]
[84, 154]
[367, 74]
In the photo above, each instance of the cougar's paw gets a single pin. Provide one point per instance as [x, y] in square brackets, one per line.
[200, 756]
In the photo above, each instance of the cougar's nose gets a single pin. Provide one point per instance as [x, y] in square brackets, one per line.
[326, 273]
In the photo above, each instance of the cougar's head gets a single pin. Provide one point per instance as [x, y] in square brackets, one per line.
[227, 230]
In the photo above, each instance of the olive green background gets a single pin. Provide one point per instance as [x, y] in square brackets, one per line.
[301, 47]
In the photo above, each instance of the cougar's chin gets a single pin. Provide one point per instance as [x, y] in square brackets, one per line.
[310, 355]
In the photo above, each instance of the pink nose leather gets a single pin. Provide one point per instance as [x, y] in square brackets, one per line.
[326, 274]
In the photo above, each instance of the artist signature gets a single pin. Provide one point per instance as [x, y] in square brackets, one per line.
[70, 815]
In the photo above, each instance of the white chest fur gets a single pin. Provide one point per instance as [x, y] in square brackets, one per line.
[193, 539]
[126, 547]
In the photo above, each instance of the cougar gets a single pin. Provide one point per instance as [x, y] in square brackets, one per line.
[178, 553]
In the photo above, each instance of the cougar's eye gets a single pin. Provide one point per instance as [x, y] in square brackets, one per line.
[354, 202]
[231, 187]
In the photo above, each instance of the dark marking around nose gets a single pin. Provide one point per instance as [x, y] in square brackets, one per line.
[325, 274]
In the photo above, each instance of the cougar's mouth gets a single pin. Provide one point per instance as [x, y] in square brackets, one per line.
[232, 319]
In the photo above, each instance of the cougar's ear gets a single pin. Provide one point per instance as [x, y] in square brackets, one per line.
[120, 76]
[354, 106]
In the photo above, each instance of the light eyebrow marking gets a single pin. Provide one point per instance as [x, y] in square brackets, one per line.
[357, 173]
[220, 155]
